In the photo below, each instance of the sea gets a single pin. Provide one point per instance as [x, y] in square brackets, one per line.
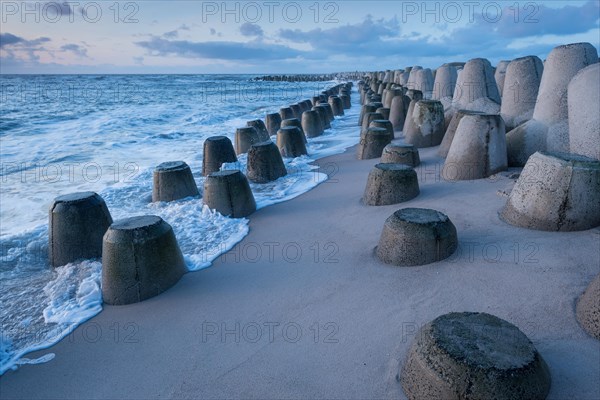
[105, 133]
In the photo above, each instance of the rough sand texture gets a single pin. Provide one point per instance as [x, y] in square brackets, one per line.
[375, 309]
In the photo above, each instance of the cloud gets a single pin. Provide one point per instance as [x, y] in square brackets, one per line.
[8, 39]
[75, 49]
[347, 38]
[497, 27]
[383, 38]
[175, 33]
[171, 34]
[20, 52]
[221, 50]
[250, 29]
[57, 9]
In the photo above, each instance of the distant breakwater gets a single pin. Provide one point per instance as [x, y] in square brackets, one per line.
[345, 76]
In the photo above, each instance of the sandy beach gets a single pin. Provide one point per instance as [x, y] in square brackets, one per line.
[301, 308]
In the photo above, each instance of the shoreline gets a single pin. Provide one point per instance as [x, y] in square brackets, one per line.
[307, 267]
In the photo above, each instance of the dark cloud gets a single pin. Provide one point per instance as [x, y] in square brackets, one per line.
[8, 39]
[495, 28]
[171, 34]
[221, 50]
[57, 9]
[75, 49]
[540, 20]
[383, 38]
[250, 29]
[366, 35]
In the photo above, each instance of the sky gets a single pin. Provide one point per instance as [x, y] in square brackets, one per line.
[100, 37]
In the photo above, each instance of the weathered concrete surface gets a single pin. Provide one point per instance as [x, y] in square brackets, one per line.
[478, 149]
[424, 126]
[416, 236]
[229, 193]
[372, 143]
[217, 150]
[140, 259]
[474, 356]
[77, 223]
[401, 153]
[556, 192]
[290, 141]
[584, 118]
[265, 163]
[522, 83]
[173, 180]
[588, 309]
[390, 184]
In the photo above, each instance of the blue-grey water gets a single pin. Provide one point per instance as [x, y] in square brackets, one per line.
[67, 133]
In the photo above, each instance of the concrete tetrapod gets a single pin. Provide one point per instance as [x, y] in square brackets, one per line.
[401, 154]
[261, 129]
[244, 138]
[548, 129]
[397, 112]
[370, 117]
[140, 259]
[294, 122]
[390, 94]
[423, 82]
[173, 180]
[451, 130]
[372, 143]
[478, 149]
[273, 123]
[336, 105]
[346, 101]
[444, 84]
[412, 77]
[312, 123]
[476, 88]
[77, 223]
[265, 163]
[390, 184]
[522, 82]
[500, 75]
[584, 118]
[385, 124]
[384, 111]
[217, 150]
[323, 115]
[416, 236]
[290, 141]
[424, 126]
[367, 108]
[328, 110]
[555, 192]
[306, 105]
[474, 356]
[588, 309]
[286, 113]
[229, 193]
[298, 110]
